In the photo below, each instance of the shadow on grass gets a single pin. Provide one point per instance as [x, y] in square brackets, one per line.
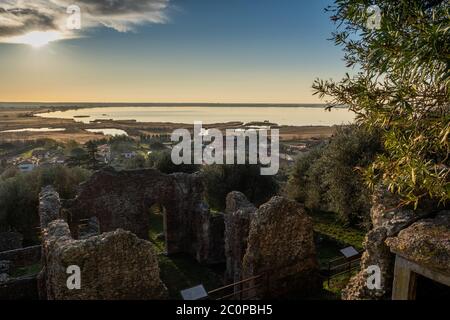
[180, 271]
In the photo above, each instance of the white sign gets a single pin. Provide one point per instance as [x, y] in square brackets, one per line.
[349, 252]
[195, 293]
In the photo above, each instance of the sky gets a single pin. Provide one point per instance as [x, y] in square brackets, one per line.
[213, 51]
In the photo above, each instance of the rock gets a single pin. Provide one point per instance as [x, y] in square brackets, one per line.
[239, 213]
[122, 199]
[114, 266]
[377, 253]
[49, 206]
[281, 245]
[91, 229]
[426, 242]
[387, 220]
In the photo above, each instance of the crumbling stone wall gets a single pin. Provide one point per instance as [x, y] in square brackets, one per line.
[281, 241]
[426, 242]
[114, 265]
[238, 215]
[275, 241]
[387, 221]
[123, 199]
[49, 206]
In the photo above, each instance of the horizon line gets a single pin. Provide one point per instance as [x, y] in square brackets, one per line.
[164, 103]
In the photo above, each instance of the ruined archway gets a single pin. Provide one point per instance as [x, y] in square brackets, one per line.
[121, 199]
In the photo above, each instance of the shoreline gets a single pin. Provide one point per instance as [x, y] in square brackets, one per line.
[21, 118]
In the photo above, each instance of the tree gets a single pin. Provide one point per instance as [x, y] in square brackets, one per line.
[138, 162]
[162, 161]
[19, 196]
[78, 157]
[328, 177]
[401, 88]
[92, 161]
[219, 180]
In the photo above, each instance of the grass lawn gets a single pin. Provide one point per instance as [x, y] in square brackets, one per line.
[327, 225]
[330, 237]
[337, 284]
[181, 271]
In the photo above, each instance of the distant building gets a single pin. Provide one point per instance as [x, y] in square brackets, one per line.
[26, 166]
[285, 156]
[104, 151]
[129, 155]
[59, 160]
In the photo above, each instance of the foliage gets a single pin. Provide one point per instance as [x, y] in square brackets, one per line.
[78, 157]
[162, 161]
[138, 162]
[92, 161]
[401, 87]
[328, 177]
[19, 193]
[326, 226]
[84, 156]
[220, 180]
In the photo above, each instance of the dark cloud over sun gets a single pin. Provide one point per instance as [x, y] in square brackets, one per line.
[20, 20]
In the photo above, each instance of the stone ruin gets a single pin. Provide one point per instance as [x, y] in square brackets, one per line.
[278, 235]
[123, 200]
[421, 250]
[114, 265]
[277, 241]
[402, 237]
[117, 262]
[238, 215]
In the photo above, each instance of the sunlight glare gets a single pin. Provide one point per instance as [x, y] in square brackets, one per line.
[38, 39]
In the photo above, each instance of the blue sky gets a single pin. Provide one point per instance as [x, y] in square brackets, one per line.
[251, 51]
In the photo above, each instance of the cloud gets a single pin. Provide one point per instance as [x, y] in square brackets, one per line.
[19, 18]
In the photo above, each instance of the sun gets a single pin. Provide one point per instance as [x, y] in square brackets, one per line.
[38, 39]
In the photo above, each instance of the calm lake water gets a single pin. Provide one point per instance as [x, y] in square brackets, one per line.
[109, 132]
[295, 116]
[36, 130]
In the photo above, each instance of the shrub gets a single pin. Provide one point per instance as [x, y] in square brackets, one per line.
[401, 88]
[19, 193]
[222, 179]
[329, 177]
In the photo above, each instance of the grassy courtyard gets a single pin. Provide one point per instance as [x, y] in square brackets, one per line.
[181, 271]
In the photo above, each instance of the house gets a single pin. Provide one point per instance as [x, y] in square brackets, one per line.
[27, 166]
[129, 154]
[59, 160]
[287, 157]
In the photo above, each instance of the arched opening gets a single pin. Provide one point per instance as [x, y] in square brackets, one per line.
[158, 227]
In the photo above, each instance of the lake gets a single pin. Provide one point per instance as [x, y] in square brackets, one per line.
[292, 116]
[109, 132]
[35, 130]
